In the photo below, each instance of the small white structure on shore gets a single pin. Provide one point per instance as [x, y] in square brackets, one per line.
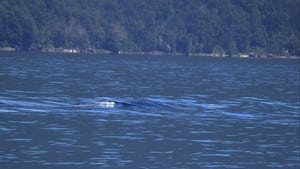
[244, 56]
[70, 51]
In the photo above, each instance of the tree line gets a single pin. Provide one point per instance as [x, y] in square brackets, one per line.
[171, 26]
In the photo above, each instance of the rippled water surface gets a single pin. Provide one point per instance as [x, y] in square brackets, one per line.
[170, 112]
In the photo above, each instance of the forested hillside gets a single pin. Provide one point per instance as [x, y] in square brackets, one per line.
[181, 26]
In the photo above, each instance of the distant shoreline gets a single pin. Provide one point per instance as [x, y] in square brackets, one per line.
[250, 55]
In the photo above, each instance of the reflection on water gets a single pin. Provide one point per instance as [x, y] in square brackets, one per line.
[192, 113]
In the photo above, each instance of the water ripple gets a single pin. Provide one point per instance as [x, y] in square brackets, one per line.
[187, 114]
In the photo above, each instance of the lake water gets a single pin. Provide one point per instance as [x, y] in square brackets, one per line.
[169, 112]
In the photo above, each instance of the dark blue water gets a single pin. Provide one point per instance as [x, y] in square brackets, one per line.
[169, 112]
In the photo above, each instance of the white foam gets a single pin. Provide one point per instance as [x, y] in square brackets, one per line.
[105, 104]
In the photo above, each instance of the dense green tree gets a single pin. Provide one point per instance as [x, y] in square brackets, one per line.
[185, 26]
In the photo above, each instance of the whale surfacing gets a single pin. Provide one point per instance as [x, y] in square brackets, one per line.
[144, 104]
